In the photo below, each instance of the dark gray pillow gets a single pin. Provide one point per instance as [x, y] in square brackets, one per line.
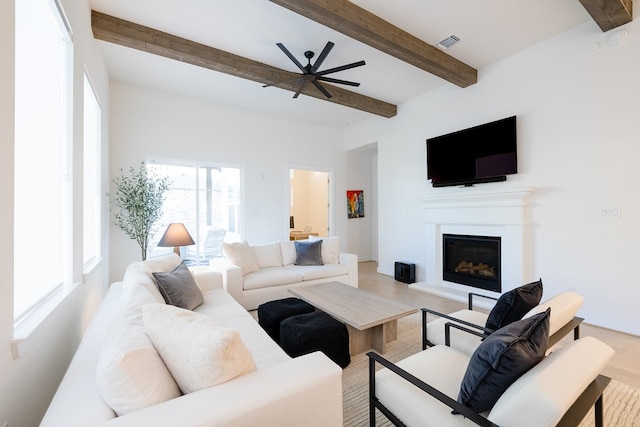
[512, 305]
[179, 288]
[308, 253]
[502, 358]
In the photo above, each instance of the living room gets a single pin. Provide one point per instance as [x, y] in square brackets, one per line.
[578, 122]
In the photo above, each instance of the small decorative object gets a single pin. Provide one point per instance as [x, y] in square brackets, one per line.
[355, 204]
[176, 236]
[138, 203]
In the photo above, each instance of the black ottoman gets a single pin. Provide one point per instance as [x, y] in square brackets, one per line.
[306, 333]
[272, 313]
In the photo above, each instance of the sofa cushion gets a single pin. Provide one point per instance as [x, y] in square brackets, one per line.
[241, 254]
[502, 358]
[139, 273]
[179, 288]
[268, 254]
[308, 253]
[271, 276]
[199, 352]
[514, 304]
[312, 272]
[130, 374]
[564, 307]
[288, 250]
[330, 248]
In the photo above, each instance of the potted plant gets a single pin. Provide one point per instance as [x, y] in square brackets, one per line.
[139, 195]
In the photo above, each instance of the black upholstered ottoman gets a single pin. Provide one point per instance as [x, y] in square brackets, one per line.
[317, 331]
[272, 313]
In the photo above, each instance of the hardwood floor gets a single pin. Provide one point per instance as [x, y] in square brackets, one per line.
[624, 367]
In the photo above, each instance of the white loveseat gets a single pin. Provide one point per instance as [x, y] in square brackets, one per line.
[281, 391]
[255, 274]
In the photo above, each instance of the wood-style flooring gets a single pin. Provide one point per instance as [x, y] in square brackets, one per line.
[624, 367]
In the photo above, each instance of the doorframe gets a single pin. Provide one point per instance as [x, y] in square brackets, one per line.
[330, 194]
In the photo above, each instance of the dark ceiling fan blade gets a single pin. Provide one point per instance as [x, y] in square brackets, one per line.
[341, 68]
[322, 57]
[321, 88]
[291, 57]
[283, 81]
[342, 82]
[300, 89]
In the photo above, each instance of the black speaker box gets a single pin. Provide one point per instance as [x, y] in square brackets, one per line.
[405, 272]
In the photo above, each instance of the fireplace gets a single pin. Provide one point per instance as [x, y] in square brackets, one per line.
[472, 261]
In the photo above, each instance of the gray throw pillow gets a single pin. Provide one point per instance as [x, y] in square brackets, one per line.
[179, 288]
[308, 253]
[502, 358]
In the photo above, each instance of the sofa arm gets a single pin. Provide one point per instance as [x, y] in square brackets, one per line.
[305, 391]
[351, 262]
[232, 278]
[206, 278]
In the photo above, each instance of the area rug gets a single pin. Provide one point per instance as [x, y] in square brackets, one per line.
[621, 402]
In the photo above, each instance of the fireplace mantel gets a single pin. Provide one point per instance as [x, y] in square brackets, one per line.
[489, 212]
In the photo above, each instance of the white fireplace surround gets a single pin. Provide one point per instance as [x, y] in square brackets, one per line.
[493, 212]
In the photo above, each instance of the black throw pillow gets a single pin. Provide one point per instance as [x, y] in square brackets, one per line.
[179, 288]
[502, 358]
[512, 305]
[308, 253]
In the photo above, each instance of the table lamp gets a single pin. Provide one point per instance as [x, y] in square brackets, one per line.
[176, 235]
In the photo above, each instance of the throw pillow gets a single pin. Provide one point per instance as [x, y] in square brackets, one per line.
[130, 374]
[288, 250]
[199, 352]
[330, 248]
[308, 253]
[512, 305]
[501, 359]
[241, 254]
[268, 254]
[179, 288]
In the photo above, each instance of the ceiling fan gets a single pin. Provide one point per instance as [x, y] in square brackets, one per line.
[311, 74]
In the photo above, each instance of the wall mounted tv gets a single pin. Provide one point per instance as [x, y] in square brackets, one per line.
[484, 153]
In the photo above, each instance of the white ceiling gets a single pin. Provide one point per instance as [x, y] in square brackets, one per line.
[490, 31]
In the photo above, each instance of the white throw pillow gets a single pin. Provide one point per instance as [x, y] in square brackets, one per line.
[199, 352]
[330, 250]
[130, 374]
[288, 250]
[240, 254]
[268, 254]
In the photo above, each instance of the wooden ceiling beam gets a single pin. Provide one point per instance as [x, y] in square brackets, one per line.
[359, 24]
[135, 36]
[609, 14]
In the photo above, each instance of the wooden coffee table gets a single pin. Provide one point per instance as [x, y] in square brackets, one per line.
[370, 319]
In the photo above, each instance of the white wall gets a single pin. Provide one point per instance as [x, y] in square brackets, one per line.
[148, 123]
[578, 142]
[28, 383]
[361, 232]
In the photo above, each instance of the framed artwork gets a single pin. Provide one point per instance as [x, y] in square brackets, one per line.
[355, 204]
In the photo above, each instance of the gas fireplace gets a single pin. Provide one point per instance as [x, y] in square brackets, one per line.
[472, 261]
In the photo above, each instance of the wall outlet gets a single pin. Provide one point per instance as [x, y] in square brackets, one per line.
[610, 212]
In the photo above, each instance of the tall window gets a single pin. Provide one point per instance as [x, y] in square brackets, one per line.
[42, 152]
[91, 181]
[206, 198]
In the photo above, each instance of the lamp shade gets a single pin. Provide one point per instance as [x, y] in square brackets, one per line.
[176, 235]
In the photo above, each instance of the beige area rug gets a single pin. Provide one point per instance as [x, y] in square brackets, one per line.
[621, 402]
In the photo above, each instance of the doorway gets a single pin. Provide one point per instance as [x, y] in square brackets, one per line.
[309, 203]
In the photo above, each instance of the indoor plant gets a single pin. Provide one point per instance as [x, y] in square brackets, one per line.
[138, 199]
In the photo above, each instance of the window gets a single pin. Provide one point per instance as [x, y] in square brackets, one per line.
[206, 198]
[91, 181]
[42, 153]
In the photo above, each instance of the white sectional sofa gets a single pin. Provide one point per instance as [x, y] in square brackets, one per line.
[255, 274]
[281, 391]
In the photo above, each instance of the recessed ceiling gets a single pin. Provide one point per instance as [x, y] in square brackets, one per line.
[489, 31]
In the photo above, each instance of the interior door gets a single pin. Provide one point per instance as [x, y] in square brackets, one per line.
[310, 208]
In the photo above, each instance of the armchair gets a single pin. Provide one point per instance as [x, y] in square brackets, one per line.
[467, 326]
[421, 390]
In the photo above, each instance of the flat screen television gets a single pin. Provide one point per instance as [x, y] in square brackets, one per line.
[484, 153]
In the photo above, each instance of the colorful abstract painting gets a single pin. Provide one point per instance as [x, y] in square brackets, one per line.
[355, 204]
